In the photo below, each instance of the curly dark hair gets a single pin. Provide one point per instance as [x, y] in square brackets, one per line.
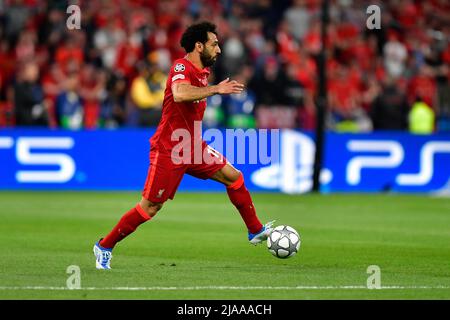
[196, 33]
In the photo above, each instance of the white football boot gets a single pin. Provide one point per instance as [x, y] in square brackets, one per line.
[103, 256]
[262, 235]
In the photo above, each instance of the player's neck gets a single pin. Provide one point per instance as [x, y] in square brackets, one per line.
[195, 60]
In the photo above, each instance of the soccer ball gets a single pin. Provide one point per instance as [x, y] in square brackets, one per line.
[283, 242]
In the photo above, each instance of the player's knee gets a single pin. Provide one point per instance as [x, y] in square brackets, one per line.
[151, 208]
[231, 176]
[235, 175]
[236, 181]
[154, 208]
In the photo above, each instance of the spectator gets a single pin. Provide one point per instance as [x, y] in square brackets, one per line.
[52, 82]
[268, 51]
[214, 113]
[147, 93]
[444, 106]
[269, 84]
[423, 87]
[296, 95]
[305, 68]
[117, 99]
[26, 46]
[69, 106]
[70, 54]
[421, 118]
[343, 95]
[105, 117]
[412, 47]
[390, 109]
[345, 104]
[439, 60]
[5, 107]
[53, 28]
[293, 92]
[297, 18]
[30, 106]
[7, 61]
[17, 15]
[234, 53]
[92, 91]
[395, 55]
[313, 38]
[107, 40]
[129, 52]
[240, 107]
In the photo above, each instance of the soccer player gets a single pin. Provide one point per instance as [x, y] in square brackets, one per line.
[183, 107]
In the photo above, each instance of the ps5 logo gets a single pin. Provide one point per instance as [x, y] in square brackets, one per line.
[394, 158]
[27, 154]
[293, 172]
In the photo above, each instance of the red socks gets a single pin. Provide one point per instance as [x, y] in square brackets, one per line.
[127, 224]
[242, 200]
[237, 192]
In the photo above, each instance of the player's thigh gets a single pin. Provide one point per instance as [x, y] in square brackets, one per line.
[214, 166]
[163, 178]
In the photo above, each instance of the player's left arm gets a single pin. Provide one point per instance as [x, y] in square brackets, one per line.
[185, 92]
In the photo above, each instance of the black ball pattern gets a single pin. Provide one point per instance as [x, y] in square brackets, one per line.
[283, 242]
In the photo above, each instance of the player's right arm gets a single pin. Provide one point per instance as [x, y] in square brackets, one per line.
[185, 92]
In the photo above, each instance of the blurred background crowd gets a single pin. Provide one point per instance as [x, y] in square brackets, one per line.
[111, 72]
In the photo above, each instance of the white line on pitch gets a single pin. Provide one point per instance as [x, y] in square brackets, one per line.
[220, 288]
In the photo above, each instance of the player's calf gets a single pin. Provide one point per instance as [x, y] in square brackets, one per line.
[240, 197]
[127, 225]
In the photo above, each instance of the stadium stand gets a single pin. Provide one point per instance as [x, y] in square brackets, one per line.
[52, 74]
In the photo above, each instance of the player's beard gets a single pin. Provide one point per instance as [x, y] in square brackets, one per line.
[206, 59]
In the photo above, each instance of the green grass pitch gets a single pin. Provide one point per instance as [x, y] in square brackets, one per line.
[196, 247]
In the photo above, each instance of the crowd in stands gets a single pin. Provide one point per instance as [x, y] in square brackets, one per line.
[111, 72]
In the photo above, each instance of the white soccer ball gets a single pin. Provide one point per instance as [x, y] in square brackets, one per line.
[283, 242]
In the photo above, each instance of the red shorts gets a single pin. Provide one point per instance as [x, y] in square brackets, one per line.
[164, 174]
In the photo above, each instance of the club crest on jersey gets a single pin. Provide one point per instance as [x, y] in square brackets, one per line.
[160, 192]
[179, 67]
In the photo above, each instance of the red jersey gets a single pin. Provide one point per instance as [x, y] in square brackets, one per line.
[180, 115]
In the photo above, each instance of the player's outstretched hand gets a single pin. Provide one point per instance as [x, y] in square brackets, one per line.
[229, 87]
